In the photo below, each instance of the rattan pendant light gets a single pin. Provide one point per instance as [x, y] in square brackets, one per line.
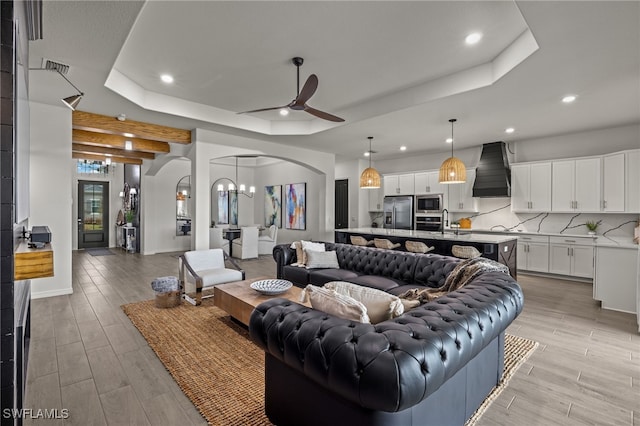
[452, 169]
[370, 178]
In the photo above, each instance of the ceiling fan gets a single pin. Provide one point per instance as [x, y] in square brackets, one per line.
[300, 102]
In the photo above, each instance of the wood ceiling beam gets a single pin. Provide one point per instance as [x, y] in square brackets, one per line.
[112, 152]
[111, 125]
[97, 157]
[117, 141]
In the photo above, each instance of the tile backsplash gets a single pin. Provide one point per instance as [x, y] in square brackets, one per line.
[495, 214]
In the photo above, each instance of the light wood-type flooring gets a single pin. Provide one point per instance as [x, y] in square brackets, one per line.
[87, 357]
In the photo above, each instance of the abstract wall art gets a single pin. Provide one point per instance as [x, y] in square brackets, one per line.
[295, 205]
[273, 205]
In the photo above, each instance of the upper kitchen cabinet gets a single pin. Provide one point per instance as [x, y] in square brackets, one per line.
[632, 166]
[428, 183]
[531, 187]
[461, 194]
[399, 184]
[375, 199]
[613, 187]
[576, 185]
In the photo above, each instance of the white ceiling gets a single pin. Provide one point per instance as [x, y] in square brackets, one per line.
[394, 70]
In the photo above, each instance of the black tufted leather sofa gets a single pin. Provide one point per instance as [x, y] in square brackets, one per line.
[434, 365]
[387, 270]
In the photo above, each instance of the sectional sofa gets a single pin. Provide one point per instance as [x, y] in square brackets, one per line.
[434, 364]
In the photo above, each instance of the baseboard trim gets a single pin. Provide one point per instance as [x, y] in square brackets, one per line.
[51, 293]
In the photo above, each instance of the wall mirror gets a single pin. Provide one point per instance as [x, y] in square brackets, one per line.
[183, 206]
[224, 203]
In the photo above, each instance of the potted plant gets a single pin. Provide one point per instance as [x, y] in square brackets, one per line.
[592, 226]
[129, 215]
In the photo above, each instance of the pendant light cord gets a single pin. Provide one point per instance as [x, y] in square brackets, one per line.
[452, 120]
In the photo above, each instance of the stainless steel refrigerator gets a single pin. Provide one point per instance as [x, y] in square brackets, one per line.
[398, 212]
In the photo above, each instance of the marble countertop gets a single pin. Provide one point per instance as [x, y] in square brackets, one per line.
[431, 235]
[489, 236]
[598, 240]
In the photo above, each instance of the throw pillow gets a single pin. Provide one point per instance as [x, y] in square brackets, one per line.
[334, 303]
[322, 259]
[299, 253]
[381, 306]
[309, 246]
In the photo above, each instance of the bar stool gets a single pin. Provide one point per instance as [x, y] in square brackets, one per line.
[417, 247]
[383, 243]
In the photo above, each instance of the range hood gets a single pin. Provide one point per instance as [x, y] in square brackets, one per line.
[493, 176]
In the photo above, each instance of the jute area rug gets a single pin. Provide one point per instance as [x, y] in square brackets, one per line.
[222, 372]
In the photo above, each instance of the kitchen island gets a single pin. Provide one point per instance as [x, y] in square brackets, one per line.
[501, 248]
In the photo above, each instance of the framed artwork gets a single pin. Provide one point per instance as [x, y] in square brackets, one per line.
[273, 205]
[233, 207]
[295, 205]
[223, 207]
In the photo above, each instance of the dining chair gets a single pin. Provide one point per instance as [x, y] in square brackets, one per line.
[246, 247]
[217, 240]
[267, 242]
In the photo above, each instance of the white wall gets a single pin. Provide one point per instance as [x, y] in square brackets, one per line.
[282, 173]
[50, 192]
[595, 142]
[158, 204]
[358, 198]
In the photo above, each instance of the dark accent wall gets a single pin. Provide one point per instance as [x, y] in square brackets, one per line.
[7, 202]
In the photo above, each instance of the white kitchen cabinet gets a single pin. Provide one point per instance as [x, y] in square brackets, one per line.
[571, 256]
[632, 196]
[533, 253]
[613, 187]
[398, 184]
[460, 195]
[615, 286]
[576, 185]
[531, 187]
[428, 183]
[375, 199]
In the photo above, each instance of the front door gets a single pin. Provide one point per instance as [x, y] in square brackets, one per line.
[93, 214]
[342, 204]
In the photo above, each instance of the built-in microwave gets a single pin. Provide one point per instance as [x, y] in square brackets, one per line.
[431, 203]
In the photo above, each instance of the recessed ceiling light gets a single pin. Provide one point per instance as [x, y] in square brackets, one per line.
[569, 98]
[366, 154]
[473, 38]
[284, 112]
[509, 130]
[403, 148]
[448, 140]
[128, 135]
[166, 78]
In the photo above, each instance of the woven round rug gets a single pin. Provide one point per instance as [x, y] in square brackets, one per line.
[221, 371]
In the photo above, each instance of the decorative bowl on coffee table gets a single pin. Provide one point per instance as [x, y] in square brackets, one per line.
[271, 287]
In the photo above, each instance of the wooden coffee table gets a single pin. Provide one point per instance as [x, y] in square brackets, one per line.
[238, 299]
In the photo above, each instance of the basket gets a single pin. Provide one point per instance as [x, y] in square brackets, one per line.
[168, 299]
[465, 252]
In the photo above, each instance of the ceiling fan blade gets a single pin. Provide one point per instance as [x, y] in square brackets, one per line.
[262, 109]
[323, 115]
[308, 90]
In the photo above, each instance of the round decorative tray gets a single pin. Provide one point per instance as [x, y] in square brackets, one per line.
[271, 287]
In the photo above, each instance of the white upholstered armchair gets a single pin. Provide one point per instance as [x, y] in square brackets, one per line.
[246, 247]
[206, 268]
[267, 242]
